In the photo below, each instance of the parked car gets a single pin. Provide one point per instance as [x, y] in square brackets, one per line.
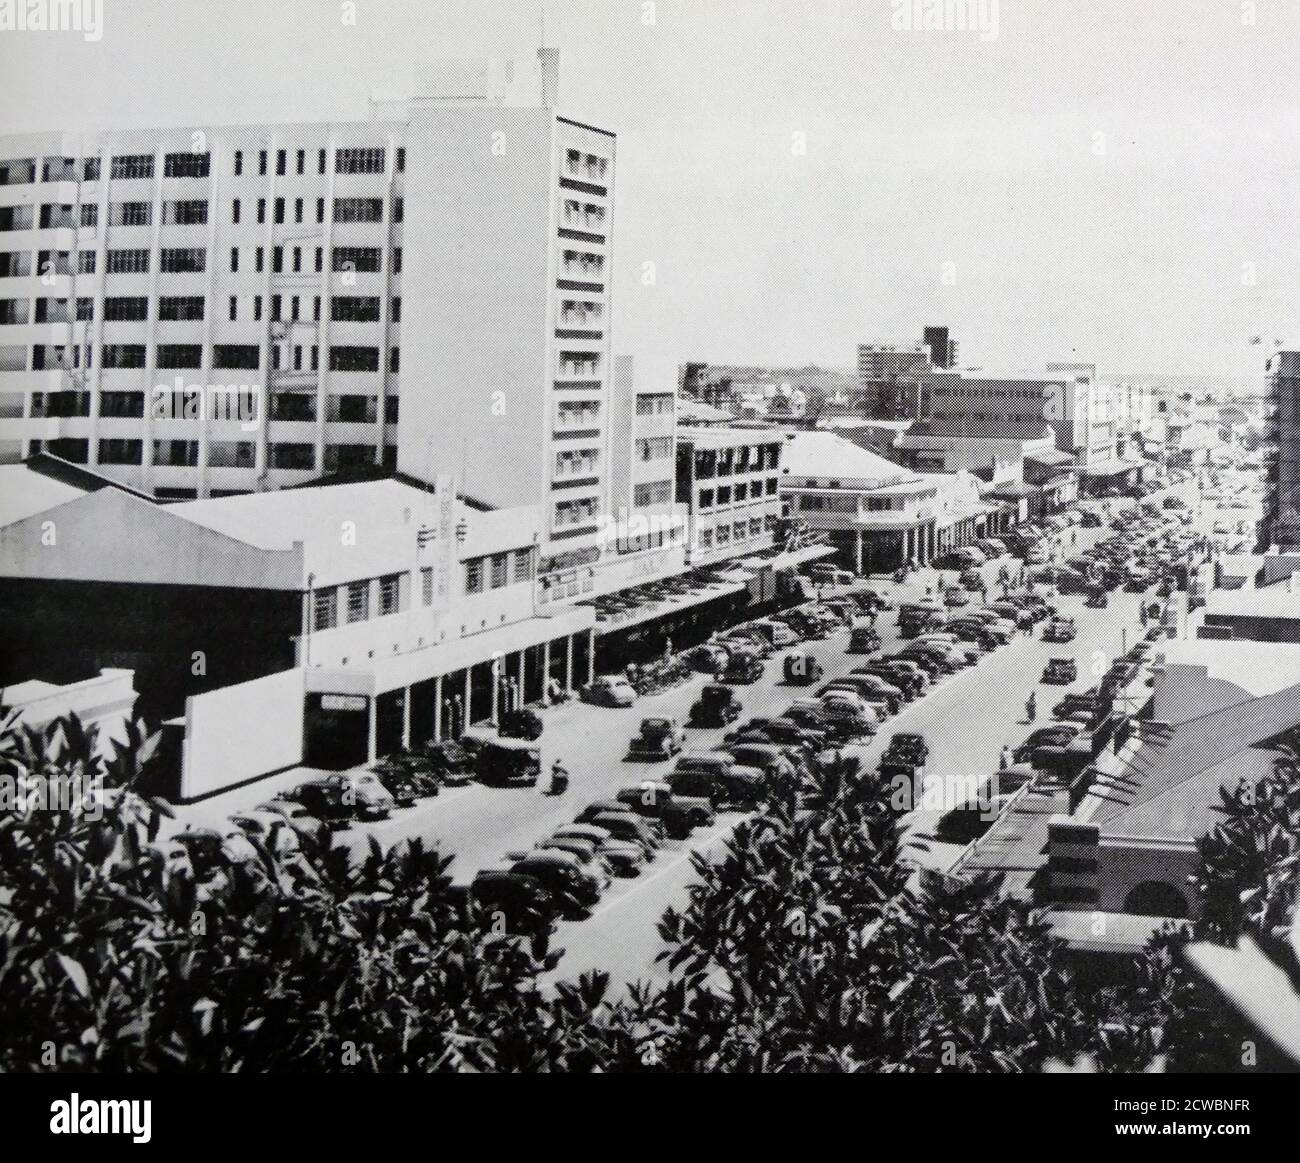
[268, 828]
[451, 761]
[627, 825]
[608, 690]
[717, 777]
[658, 738]
[521, 723]
[829, 575]
[744, 666]
[399, 784]
[679, 813]
[956, 596]
[1060, 670]
[296, 815]
[521, 900]
[1059, 630]
[563, 876]
[707, 658]
[505, 762]
[769, 758]
[624, 857]
[329, 798]
[848, 713]
[716, 707]
[801, 669]
[863, 639]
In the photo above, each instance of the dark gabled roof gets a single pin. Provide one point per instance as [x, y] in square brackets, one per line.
[1204, 746]
[78, 476]
[357, 474]
[1034, 428]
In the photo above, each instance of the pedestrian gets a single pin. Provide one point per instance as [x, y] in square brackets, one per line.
[1004, 760]
[1031, 707]
[668, 647]
[559, 779]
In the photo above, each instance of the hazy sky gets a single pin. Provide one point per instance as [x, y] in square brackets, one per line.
[922, 149]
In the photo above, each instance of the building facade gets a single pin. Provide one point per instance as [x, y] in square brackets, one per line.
[730, 480]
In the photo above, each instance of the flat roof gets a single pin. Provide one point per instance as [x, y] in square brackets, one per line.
[278, 518]
[1275, 601]
[24, 492]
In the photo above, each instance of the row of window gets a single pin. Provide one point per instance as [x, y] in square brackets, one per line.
[659, 404]
[749, 458]
[345, 210]
[652, 493]
[573, 414]
[386, 595]
[655, 448]
[355, 160]
[496, 570]
[574, 513]
[225, 356]
[736, 531]
[729, 494]
[580, 462]
[299, 456]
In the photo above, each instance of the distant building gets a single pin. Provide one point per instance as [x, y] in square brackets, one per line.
[943, 351]
[1281, 524]
[890, 376]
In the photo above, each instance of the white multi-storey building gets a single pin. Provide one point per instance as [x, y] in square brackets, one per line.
[198, 312]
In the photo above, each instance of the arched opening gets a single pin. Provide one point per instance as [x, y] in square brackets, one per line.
[1156, 898]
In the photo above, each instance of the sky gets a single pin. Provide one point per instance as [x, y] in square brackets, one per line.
[1113, 181]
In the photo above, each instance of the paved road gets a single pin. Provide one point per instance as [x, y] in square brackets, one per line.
[966, 719]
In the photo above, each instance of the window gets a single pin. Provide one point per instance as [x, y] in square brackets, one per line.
[179, 355]
[500, 570]
[474, 576]
[354, 359]
[356, 258]
[236, 355]
[358, 601]
[706, 498]
[185, 307]
[358, 210]
[302, 161]
[401, 159]
[523, 565]
[293, 456]
[280, 162]
[234, 309]
[120, 451]
[139, 165]
[227, 454]
[89, 214]
[128, 262]
[176, 453]
[186, 165]
[184, 260]
[234, 260]
[353, 409]
[188, 213]
[656, 405]
[355, 309]
[325, 609]
[122, 355]
[426, 585]
[85, 310]
[390, 594]
[239, 162]
[653, 493]
[359, 161]
[121, 404]
[569, 513]
[656, 448]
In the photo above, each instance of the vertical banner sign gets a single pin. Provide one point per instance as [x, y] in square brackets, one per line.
[445, 498]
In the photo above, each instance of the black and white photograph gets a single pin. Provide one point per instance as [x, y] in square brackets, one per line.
[649, 537]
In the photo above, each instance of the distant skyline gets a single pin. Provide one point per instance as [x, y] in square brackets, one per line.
[801, 174]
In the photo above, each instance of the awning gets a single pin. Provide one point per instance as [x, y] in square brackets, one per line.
[632, 607]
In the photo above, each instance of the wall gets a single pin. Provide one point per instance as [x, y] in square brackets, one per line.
[105, 702]
[240, 732]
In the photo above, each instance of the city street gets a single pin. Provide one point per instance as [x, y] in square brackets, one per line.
[966, 719]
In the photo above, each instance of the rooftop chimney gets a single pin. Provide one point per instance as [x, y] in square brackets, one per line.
[550, 62]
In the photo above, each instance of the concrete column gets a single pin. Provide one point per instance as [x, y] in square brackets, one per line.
[568, 662]
[496, 686]
[372, 727]
[523, 673]
[465, 716]
[406, 718]
[857, 552]
[437, 709]
[591, 655]
[546, 668]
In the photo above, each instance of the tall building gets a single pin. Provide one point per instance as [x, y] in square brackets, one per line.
[943, 351]
[1280, 527]
[204, 312]
[890, 375]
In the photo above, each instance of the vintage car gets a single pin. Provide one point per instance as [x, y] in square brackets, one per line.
[658, 738]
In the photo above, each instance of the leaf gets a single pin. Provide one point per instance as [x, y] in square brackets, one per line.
[76, 974]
